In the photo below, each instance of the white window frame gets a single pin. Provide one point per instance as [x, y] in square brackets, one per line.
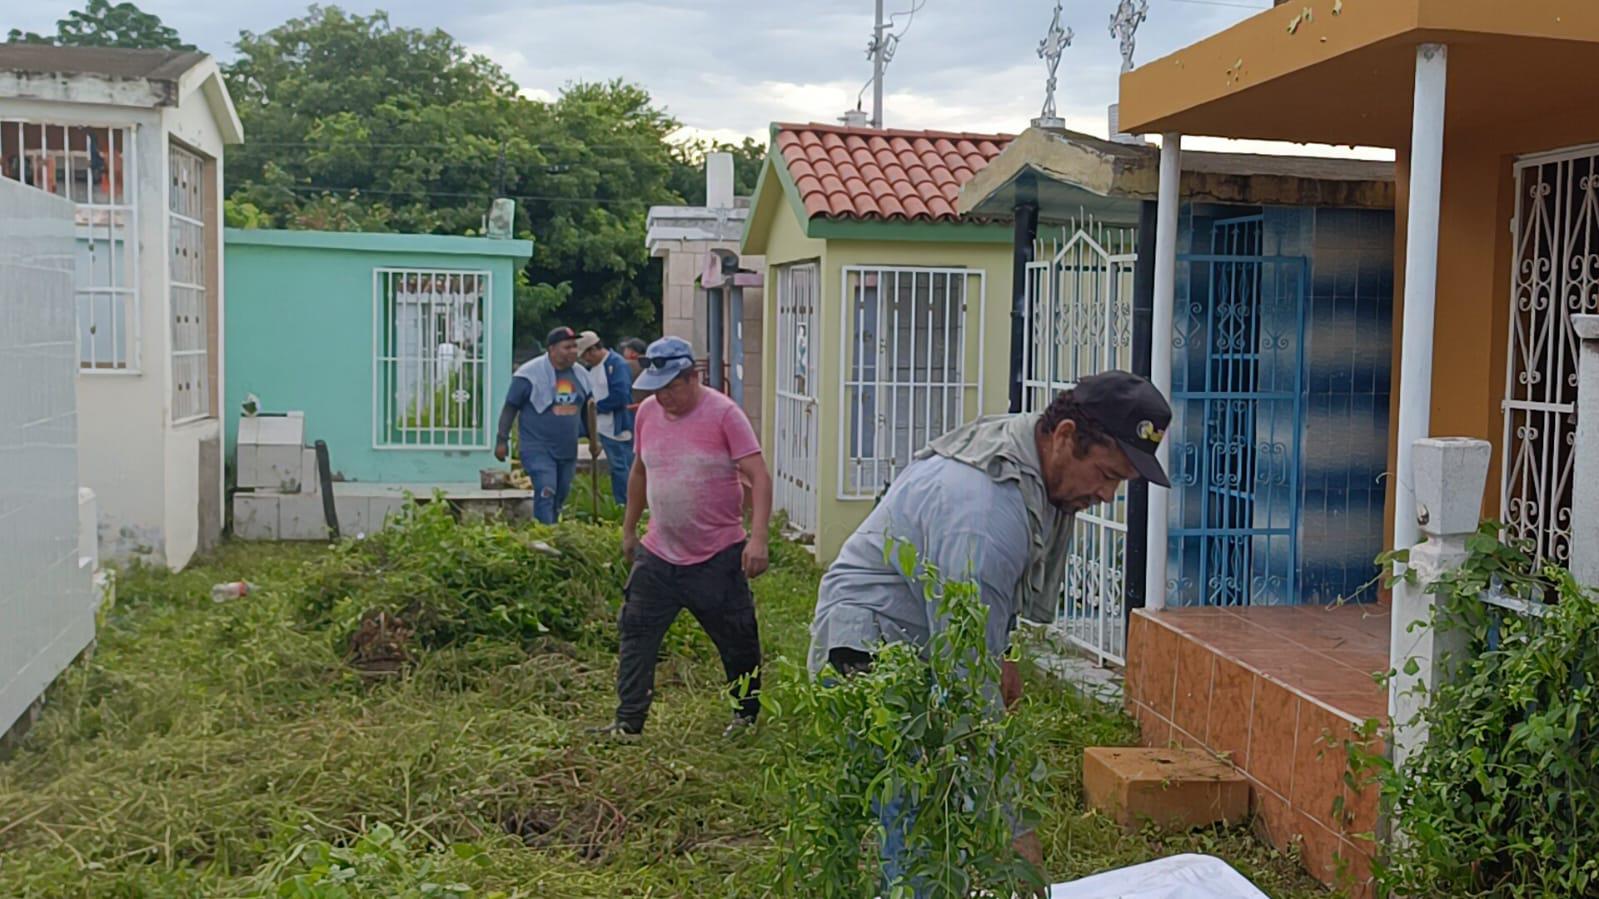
[885, 466]
[385, 402]
[90, 215]
[191, 366]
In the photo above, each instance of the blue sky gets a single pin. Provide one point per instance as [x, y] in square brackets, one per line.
[727, 68]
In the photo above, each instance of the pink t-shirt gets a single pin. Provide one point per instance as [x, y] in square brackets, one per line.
[696, 500]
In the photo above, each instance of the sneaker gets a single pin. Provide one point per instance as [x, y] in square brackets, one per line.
[739, 726]
[618, 731]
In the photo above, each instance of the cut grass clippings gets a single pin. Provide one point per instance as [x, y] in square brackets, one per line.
[232, 750]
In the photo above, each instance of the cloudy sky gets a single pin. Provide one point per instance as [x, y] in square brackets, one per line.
[729, 67]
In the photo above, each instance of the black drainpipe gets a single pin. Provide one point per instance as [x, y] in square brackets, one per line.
[1026, 231]
[1138, 491]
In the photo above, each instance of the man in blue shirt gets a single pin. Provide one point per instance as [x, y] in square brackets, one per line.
[547, 396]
[611, 380]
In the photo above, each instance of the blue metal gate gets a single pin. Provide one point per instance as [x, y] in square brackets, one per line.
[1237, 391]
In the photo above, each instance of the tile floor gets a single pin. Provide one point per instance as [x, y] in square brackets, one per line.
[1278, 691]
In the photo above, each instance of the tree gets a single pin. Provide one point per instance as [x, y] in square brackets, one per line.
[688, 167]
[357, 124]
[99, 24]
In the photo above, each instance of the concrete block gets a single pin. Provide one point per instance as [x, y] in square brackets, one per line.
[1176, 789]
[300, 517]
[353, 512]
[277, 430]
[1449, 474]
[310, 481]
[278, 468]
[382, 508]
[255, 516]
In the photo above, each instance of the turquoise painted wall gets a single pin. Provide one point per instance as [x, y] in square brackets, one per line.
[300, 337]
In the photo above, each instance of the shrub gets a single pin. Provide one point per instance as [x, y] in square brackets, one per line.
[1503, 797]
[930, 732]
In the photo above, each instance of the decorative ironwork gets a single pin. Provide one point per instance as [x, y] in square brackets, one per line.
[1124, 24]
[796, 429]
[1237, 398]
[1050, 49]
[1555, 275]
[430, 378]
[1079, 314]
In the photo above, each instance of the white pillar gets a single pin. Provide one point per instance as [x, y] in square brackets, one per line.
[1585, 456]
[1170, 199]
[1450, 474]
[1421, 279]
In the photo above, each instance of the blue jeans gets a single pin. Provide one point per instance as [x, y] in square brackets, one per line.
[552, 481]
[897, 816]
[620, 454]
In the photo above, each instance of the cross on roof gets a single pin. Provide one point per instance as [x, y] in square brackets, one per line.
[1050, 49]
[1124, 24]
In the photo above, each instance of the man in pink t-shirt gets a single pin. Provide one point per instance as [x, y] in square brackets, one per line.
[694, 452]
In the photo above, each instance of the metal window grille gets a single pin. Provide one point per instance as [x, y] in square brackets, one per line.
[96, 168]
[1079, 321]
[191, 362]
[907, 378]
[796, 426]
[432, 362]
[1554, 275]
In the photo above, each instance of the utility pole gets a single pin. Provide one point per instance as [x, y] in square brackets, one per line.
[879, 50]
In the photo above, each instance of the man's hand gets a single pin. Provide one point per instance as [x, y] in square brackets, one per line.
[755, 557]
[501, 450]
[629, 546]
[1010, 683]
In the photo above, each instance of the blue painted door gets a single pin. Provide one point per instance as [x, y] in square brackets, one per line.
[1237, 392]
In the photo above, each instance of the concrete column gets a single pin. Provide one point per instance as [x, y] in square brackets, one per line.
[1585, 464]
[1170, 200]
[1024, 232]
[1421, 278]
[1449, 475]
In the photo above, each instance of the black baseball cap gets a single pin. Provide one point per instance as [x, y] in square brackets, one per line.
[1130, 409]
[560, 334]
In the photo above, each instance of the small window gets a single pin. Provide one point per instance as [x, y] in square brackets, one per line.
[189, 267]
[431, 378]
[908, 378]
[95, 168]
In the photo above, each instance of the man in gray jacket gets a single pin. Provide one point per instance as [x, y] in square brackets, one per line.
[991, 502]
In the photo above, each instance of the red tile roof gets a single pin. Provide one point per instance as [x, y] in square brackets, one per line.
[877, 174]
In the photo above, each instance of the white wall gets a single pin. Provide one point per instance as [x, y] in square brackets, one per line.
[142, 468]
[46, 600]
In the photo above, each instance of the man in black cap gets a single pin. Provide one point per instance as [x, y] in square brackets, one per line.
[992, 502]
[547, 397]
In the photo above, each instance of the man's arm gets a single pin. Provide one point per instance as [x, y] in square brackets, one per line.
[620, 389]
[515, 398]
[637, 501]
[756, 552]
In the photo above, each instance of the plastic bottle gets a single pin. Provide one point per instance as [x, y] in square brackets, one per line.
[232, 590]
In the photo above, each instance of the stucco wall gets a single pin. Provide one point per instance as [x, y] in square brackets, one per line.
[46, 601]
[300, 338]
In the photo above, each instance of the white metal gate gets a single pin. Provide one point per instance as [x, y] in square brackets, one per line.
[795, 426]
[1079, 309]
[1554, 275]
[911, 370]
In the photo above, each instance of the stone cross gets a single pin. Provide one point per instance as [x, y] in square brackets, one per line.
[1124, 24]
[1050, 49]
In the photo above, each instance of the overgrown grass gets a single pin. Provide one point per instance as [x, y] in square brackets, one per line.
[230, 750]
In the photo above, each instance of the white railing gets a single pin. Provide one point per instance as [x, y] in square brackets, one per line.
[905, 375]
[95, 167]
[430, 371]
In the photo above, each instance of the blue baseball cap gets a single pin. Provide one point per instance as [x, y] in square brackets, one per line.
[663, 362]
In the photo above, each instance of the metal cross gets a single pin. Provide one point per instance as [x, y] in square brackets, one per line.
[1050, 49]
[1124, 24]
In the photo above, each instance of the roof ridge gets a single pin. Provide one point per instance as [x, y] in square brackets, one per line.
[868, 131]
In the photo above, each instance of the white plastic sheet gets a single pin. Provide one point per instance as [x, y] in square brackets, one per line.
[1177, 877]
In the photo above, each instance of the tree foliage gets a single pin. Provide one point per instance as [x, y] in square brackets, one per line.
[354, 123]
[100, 24]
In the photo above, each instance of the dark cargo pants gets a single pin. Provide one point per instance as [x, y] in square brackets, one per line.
[717, 594]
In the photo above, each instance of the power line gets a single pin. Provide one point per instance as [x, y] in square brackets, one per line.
[323, 189]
